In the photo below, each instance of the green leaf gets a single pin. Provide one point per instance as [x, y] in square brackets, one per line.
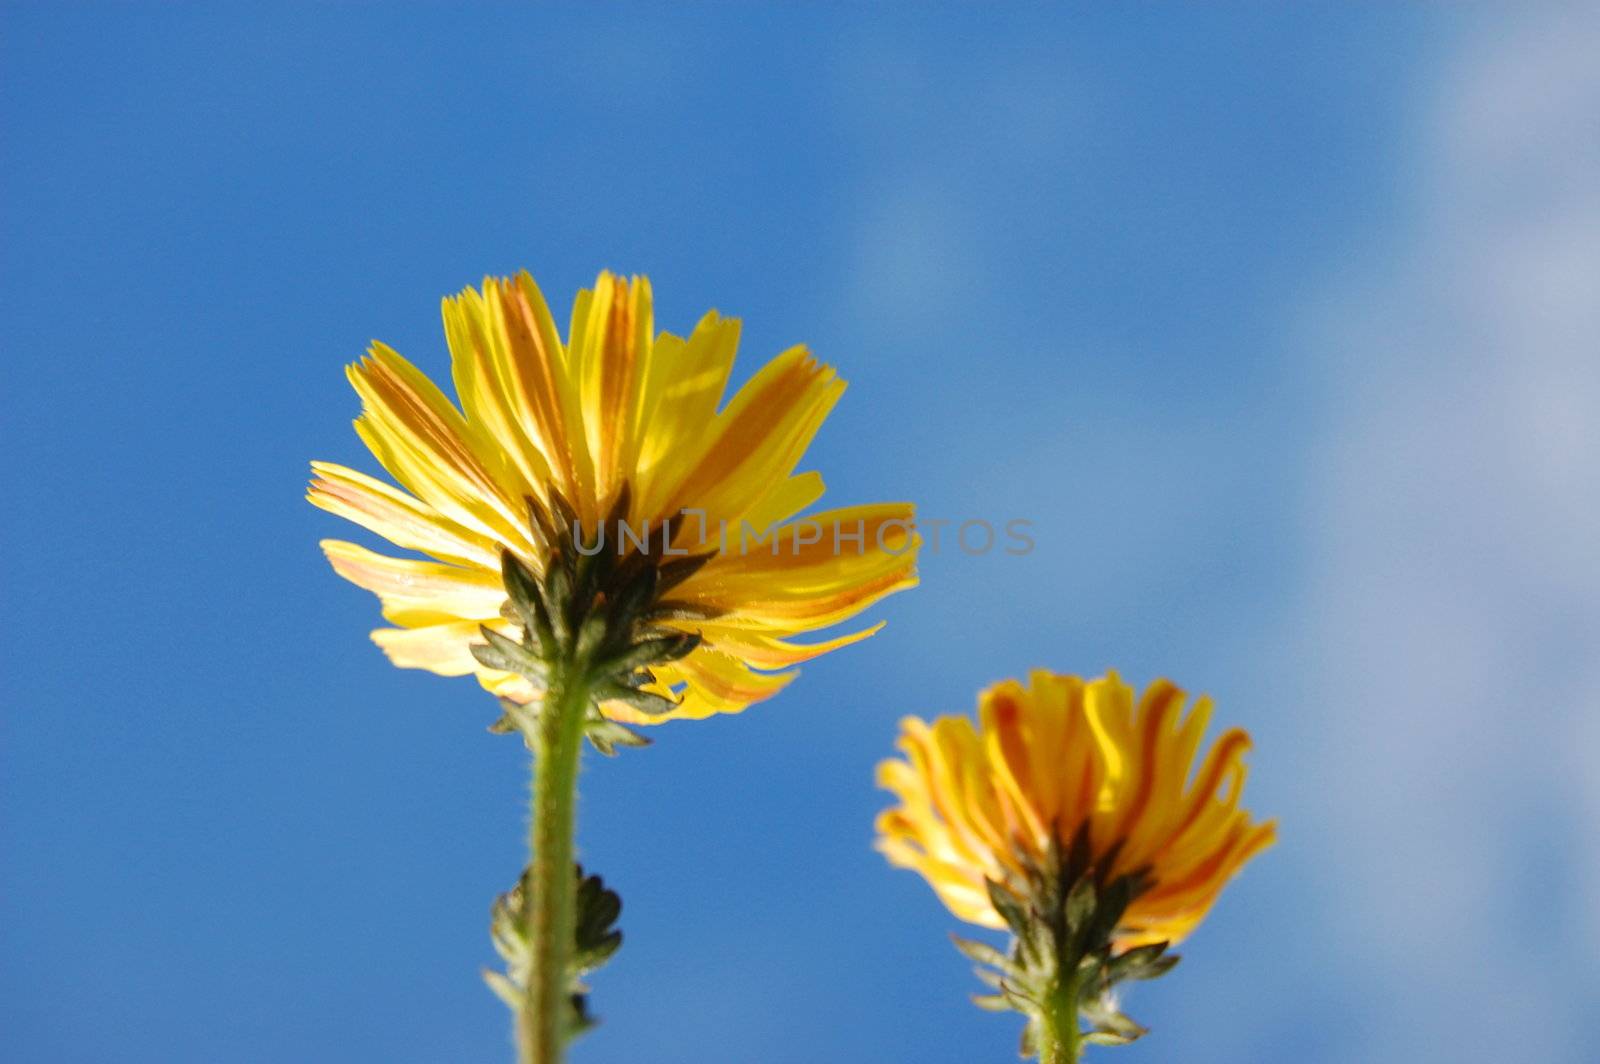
[596, 955]
[596, 910]
[505, 927]
[580, 1018]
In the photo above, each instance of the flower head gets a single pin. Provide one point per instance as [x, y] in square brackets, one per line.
[614, 439]
[1065, 755]
[1075, 817]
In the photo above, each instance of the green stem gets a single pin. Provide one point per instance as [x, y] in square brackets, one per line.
[1060, 1037]
[542, 1023]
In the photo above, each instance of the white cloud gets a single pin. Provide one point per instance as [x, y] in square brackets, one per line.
[1455, 526]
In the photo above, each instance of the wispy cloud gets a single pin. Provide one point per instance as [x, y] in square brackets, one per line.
[1453, 530]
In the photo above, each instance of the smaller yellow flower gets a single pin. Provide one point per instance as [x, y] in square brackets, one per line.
[1057, 755]
[1075, 816]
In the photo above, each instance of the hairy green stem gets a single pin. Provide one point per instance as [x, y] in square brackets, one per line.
[549, 913]
[1060, 1037]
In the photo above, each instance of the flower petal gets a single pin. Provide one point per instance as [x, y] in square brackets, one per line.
[418, 592]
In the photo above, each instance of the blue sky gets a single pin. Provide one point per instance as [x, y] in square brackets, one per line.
[1278, 325]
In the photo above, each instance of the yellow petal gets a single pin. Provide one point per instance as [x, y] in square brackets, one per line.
[765, 652]
[761, 436]
[440, 648]
[417, 592]
[404, 521]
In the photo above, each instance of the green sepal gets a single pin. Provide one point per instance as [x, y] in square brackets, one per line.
[677, 610]
[539, 520]
[592, 635]
[525, 597]
[1008, 906]
[1111, 1027]
[1079, 852]
[516, 717]
[565, 518]
[991, 967]
[657, 650]
[503, 988]
[636, 679]
[1034, 946]
[599, 612]
[992, 1002]
[1141, 962]
[980, 952]
[1019, 999]
[606, 735]
[676, 572]
[646, 702]
[1114, 901]
[1080, 906]
[1063, 913]
[505, 654]
[558, 601]
[1028, 1044]
[594, 570]
[635, 592]
[991, 977]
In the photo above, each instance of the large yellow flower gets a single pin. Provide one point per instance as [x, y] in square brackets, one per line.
[618, 417]
[1063, 756]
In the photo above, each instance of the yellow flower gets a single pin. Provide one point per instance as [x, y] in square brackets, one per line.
[617, 412]
[1061, 756]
